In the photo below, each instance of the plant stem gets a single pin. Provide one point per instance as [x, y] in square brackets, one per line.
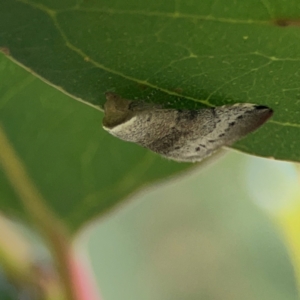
[50, 227]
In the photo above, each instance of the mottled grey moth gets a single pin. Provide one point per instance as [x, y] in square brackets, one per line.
[181, 135]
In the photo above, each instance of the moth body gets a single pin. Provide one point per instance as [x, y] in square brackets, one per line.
[181, 135]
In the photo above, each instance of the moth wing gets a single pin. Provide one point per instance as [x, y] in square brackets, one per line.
[217, 127]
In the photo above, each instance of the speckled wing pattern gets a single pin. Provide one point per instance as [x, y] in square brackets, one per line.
[181, 135]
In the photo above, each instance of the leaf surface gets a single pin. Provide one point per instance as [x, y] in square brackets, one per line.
[80, 169]
[180, 53]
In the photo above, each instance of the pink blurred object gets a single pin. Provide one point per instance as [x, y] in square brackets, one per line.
[83, 282]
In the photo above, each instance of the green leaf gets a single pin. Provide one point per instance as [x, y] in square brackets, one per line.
[80, 169]
[183, 53]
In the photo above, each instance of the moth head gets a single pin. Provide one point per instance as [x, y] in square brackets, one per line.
[116, 110]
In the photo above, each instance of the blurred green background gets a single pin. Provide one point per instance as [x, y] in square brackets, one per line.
[200, 236]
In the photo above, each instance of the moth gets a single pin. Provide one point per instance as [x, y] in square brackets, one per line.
[181, 135]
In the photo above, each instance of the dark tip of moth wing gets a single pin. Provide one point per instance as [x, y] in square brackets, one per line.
[262, 107]
[264, 110]
[265, 113]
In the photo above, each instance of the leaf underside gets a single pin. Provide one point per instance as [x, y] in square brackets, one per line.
[184, 54]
